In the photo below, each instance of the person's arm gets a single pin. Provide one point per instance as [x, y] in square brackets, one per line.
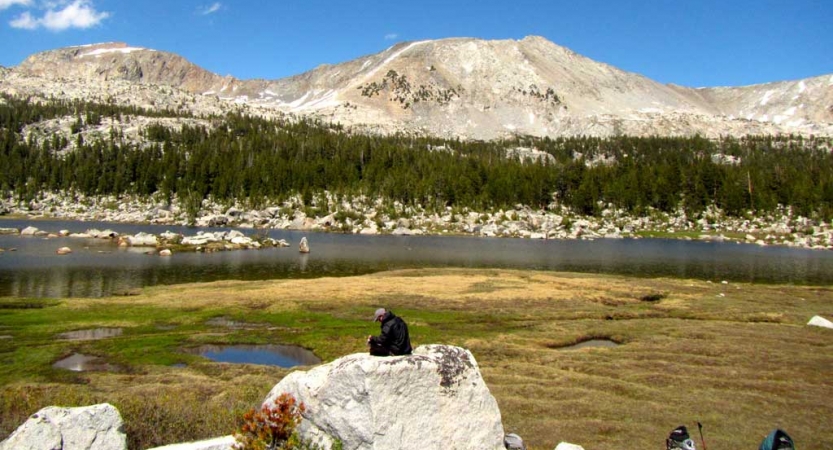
[383, 338]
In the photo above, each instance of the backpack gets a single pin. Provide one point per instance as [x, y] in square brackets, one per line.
[777, 440]
[679, 439]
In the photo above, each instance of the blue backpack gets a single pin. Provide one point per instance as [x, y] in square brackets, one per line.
[777, 440]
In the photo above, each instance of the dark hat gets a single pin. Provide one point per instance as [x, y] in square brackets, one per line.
[379, 313]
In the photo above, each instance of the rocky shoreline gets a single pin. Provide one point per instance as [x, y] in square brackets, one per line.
[362, 215]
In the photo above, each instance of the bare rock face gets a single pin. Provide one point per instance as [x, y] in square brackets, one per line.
[97, 427]
[434, 398]
[458, 87]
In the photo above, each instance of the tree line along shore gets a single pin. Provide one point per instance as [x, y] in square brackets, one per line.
[79, 160]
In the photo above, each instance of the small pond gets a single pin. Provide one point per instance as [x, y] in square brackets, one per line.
[93, 334]
[592, 343]
[269, 355]
[78, 362]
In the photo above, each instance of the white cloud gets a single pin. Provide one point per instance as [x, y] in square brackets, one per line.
[9, 3]
[391, 36]
[25, 21]
[78, 14]
[211, 9]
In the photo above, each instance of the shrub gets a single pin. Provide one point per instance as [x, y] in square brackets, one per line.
[271, 428]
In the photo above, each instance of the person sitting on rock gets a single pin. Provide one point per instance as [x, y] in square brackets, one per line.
[394, 339]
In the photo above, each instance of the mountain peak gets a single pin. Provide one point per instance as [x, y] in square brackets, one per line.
[470, 88]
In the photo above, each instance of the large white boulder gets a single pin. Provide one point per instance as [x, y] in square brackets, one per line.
[819, 321]
[432, 399]
[96, 427]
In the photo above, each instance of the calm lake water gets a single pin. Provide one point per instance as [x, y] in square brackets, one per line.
[98, 267]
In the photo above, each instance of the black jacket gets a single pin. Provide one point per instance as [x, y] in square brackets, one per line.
[394, 335]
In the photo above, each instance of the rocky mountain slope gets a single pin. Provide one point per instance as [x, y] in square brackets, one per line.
[459, 87]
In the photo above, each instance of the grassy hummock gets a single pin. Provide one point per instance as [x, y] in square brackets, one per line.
[736, 357]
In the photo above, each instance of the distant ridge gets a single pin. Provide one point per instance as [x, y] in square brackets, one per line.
[457, 87]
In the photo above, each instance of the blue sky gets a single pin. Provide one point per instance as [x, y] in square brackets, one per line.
[687, 42]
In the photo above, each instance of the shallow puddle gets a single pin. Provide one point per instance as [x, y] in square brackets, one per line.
[269, 355]
[78, 362]
[592, 343]
[91, 334]
[233, 324]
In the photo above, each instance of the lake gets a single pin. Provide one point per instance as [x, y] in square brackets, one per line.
[98, 267]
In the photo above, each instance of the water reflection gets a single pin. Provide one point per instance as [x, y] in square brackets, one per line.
[100, 268]
[269, 355]
[91, 334]
[78, 362]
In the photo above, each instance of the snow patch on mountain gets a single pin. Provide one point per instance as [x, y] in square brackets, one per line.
[103, 51]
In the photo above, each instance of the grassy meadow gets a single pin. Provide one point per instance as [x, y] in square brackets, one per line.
[736, 357]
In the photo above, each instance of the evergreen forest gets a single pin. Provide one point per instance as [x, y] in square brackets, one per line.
[259, 162]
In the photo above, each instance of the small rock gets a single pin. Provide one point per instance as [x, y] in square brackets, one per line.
[513, 442]
[220, 443]
[63, 233]
[9, 231]
[28, 231]
[819, 321]
[303, 247]
[165, 252]
[64, 251]
[568, 446]
[142, 240]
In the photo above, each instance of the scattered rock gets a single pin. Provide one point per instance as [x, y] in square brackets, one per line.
[96, 427]
[28, 231]
[434, 398]
[165, 252]
[220, 443]
[9, 231]
[819, 321]
[513, 442]
[568, 446]
[303, 247]
[63, 233]
[64, 251]
[141, 240]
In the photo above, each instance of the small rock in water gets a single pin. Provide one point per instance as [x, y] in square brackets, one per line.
[63, 233]
[28, 231]
[64, 251]
[165, 252]
[303, 247]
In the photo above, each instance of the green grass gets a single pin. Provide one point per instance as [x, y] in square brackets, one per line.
[741, 363]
